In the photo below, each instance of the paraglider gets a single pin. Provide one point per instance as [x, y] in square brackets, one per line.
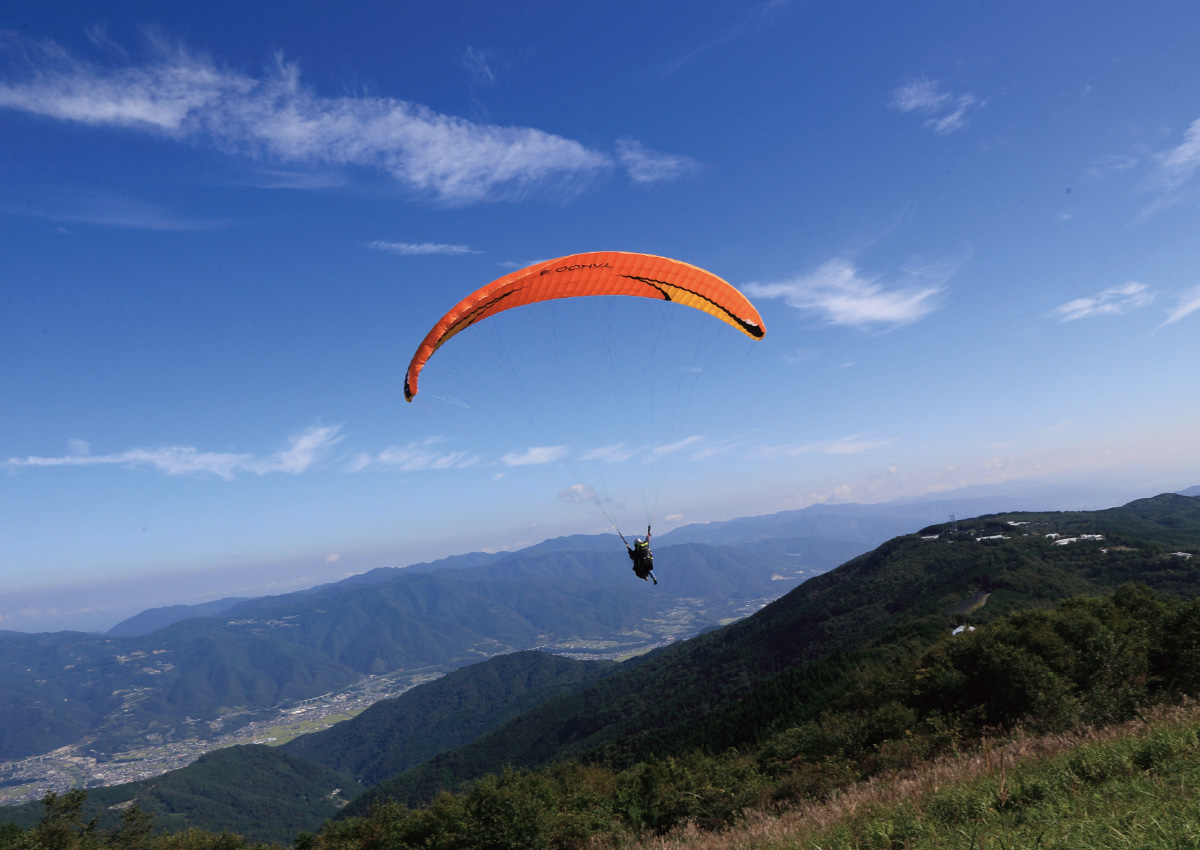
[642, 557]
[586, 275]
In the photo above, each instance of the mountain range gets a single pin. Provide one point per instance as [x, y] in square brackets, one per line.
[726, 688]
[199, 672]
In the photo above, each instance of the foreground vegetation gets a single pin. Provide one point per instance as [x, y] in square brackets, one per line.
[900, 705]
[1130, 785]
[1126, 785]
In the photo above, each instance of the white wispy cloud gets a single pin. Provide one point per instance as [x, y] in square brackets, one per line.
[800, 355]
[751, 19]
[671, 448]
[580, 494]
[406, 249]
[947, 111]
[416, 456]
[301, 453]
[617, 453]
[1104, 166]
[712, 448]
[1172, 178]
[647, 166]
[850, 445]
[479, 65]
[183, 95]
[535, 455]
[840, 293]
[1111, 302]
[920, 95]
[1180, 164]
[1189, 302]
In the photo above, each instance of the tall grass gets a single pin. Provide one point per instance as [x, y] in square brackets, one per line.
[1136, 785]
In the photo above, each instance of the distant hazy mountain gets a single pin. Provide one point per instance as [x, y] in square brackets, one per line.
[865, 525]
[154, 619]
[1191, 491]
[822, 536]
[157, 618]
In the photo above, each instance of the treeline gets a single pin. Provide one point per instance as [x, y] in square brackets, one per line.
[64, 828]
[898, 704]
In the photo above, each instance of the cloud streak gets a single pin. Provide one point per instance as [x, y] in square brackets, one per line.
[617, 453]
[1174, 172]
[850, 445]
[1180, 164]
[582, 494]
[417, 456]
[671, 448]
[410, 249]
[647, 166]
[842, 295]
[303, 451]
[1189, 303]
[947, 111]
[275, 117]
[1111, 302]
[534, 456]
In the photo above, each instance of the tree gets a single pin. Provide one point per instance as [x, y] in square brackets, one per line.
[62, 827]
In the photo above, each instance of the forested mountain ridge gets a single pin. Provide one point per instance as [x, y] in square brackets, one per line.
[256, 791]
[824, 536]
[153, 619]
[703, 691]
[396, 734]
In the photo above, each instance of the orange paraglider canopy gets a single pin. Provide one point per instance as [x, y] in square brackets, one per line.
[582, 275]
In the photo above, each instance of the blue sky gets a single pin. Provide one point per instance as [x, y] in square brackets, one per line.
[971, 231]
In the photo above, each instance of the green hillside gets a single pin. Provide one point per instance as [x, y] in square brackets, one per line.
[255, 791]
[396, 734]
[698, 693]
[1087, 663]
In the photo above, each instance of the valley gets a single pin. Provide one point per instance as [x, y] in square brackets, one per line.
[75, 766]
[165, 748]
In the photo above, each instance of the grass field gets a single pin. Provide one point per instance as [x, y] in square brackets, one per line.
[1133, 786]
[285, 732]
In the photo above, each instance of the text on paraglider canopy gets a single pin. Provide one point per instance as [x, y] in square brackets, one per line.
[576, 267]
